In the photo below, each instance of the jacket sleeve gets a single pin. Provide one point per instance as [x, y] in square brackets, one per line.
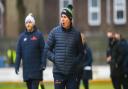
[79, 49]
[18, 54]
[88, 57]
[42, 43]
[49, 47]
[108, 52]
[121, 52]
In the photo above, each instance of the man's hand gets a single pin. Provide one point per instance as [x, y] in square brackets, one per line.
[109, 59]
[42, 67]
[17, 71]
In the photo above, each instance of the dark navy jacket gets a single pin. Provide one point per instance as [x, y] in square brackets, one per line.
[64, 49]
[87, 62]
[30, 50]
[88, 56]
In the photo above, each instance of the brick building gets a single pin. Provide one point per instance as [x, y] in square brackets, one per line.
[94, 17]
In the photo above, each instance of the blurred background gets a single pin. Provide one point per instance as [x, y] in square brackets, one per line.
[93, 17]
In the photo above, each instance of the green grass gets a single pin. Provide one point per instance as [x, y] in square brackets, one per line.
[49, 85]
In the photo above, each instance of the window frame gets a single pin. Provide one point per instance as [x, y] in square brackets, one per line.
[92, 10]
[117, 8]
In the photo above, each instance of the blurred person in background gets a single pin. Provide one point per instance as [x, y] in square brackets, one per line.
[114, 71]
[116, 53]
[85, 71]
[64, 48]
[121, 55]
[30, 48]
[11, 55]
[110, 36]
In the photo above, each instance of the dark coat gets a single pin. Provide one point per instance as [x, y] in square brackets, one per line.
[123, 55]
[87, 73]
[64, 49]
[119, 55]
[30, 50]
[112, 51]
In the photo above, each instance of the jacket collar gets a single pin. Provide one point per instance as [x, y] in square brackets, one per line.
[67, 30]
[34, 29]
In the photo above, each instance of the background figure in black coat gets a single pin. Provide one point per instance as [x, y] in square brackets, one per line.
[30, 50]
[85, 72]
[114, 71]
[121, 54]
[116, 57]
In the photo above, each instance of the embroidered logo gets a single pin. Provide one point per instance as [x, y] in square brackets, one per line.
[34, 38]
[25, 39]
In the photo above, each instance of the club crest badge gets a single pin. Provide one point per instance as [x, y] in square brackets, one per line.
[34, 38]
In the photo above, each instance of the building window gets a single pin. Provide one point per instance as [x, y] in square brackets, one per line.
[63, 3]
[94, 3]
[119, 8]
[94, 12]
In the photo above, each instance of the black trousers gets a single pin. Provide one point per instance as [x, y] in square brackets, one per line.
[125, 81]
[116, 81]
[120, 82]
[85, 77]
[32, 84]
[65, 81]
[86, 83]
[42, 86]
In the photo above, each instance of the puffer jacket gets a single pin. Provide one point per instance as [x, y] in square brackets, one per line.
[64, 49]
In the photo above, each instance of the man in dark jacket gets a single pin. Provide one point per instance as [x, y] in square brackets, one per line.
[117, 56]
[30, 49]
[64, 49]
[121, 56]
[114, 70]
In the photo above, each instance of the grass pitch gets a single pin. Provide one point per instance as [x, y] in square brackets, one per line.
[49, 85]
